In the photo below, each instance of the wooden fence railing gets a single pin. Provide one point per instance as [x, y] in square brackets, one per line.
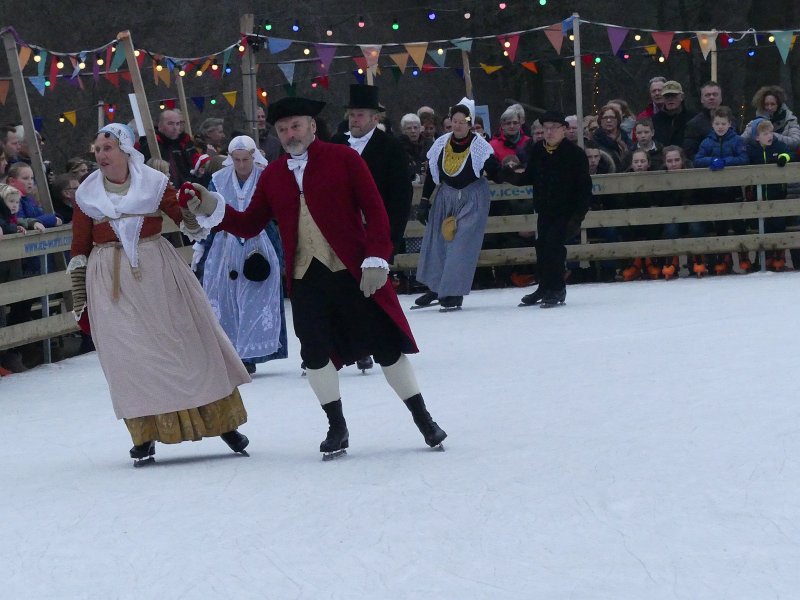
[59, 239]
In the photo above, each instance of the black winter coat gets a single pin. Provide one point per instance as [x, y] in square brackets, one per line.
[670, 130]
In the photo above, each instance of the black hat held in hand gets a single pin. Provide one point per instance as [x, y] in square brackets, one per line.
[256, 267]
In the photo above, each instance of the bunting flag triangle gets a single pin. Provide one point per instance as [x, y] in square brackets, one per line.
[53, 72]
[489, 69]
[531, 66]
[323, 81]
[109, 55]
[566, 25]
[155, 73]
[113, 78]
[126, 75]
[509, 44]
[24, 56]
[361, 63]
[555, 34]
[75, 68]
[401, 60]
[117, 60]
[708, 42]
[38, 123]
[783, 40]
[38, 83]
[428, 68]
[263, 96]
[226, 56]
[325, 53]
[587, 60]
[170, 104]
[438, 58]
[617, 35]
[216, 73]
[96, 71]
[4, 85]
[360, 77]
[288, 71]
[396, 73]
[794, 39]
[275, 45]
[230, 97]
[686, 44]
[140, 58]
[417, 52]
[199, 102]
[663, 40]
[371, 53]
[70, 116]
[651, 49]
[42, 62]
[291, 89]
[164, 75]
[462, 44]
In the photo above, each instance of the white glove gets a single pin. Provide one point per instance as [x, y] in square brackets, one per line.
[373, 279]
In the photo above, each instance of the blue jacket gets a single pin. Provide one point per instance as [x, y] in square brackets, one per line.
[30, 210]
[730, 148]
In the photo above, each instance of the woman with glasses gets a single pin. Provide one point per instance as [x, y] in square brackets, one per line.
[611, 137]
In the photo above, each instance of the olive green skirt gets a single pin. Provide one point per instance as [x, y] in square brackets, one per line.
[193, 424]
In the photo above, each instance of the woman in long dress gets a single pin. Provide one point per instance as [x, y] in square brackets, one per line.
[171, 371]
[242, 278]
[457, 218]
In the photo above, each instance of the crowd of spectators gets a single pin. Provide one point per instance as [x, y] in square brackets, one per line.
[667, 134]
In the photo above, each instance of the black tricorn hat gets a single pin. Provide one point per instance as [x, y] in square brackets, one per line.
[364, 96]
[553, 116]
[293, 107]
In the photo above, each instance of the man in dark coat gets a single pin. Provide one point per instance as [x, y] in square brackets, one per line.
[558, 170]
[176, 148]
[383, 154]
[670, 122]
[336, 247]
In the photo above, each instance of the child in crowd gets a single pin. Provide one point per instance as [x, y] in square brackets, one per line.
[674, 159]
[10, 221]
[20, 176]
[644, 141]
[640, 163]
[722, 148]
[764, 149]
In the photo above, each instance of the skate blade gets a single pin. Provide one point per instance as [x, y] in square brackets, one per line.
[417, 306]
[326, 456]
[438, 447]
[554, 305]
[445, 309]
[143, 462]
[244, 453]
[523, 304]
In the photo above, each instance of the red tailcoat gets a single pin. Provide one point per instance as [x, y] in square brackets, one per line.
[338, 190]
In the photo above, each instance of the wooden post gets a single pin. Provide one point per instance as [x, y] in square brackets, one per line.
[467, 76]
[370, 80]
[713, 65]
[576, 31]
[126, 42]
[27, 121]
[182, 102]
[101, 115]
[249, 88]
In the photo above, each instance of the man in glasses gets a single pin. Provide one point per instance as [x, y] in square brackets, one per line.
[63, 192]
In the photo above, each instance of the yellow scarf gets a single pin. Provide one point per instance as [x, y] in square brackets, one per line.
[453, 161]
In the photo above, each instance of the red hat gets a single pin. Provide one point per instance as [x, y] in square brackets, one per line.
[199, 163]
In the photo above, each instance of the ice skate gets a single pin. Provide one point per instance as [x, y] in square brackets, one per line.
[431, 432]
[236, 441]
[364, 363]
[143, 454]
[427, 299]
[249, 366]
[553, 299]
[337, 441]
[450, 303]
[532, 298]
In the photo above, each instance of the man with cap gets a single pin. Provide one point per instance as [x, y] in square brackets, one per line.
[558, 170]
[337, 243]
[670, 122]
[386, 160]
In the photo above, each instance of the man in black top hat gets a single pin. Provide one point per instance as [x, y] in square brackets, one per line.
[386, 161]
[336, 247]
[383, 154]
[562, 191]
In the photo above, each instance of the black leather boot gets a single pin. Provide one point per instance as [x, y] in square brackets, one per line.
[235, 440]
[433, 434]
[338, 437]
[143, 450]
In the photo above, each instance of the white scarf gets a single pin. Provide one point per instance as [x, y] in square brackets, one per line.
[142, 198]
[297, 165]
[358, 144]
[237, 195]
[480, 151]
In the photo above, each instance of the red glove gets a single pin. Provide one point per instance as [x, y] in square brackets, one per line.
[185, 193]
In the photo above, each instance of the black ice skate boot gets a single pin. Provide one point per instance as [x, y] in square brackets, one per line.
[236, 441]
[427, 299]
[364, 363]
[433, 434]
[143, 453]
[338, 438]
[533, 298]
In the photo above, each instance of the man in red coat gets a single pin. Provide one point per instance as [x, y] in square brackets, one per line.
[336, 240]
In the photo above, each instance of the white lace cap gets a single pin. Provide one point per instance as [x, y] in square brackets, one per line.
[470, 104]
[126, 138]
[244, 142]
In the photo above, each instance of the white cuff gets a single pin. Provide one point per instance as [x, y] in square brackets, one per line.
[215, 218]
[374, 262]
[76, 263]
[194, 235]
[197, 253]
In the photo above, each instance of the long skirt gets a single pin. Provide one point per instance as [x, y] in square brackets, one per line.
[448, 267]
[161, 348]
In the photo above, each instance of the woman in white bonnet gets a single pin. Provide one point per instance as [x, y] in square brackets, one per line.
[171, 371]
[242, 278]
